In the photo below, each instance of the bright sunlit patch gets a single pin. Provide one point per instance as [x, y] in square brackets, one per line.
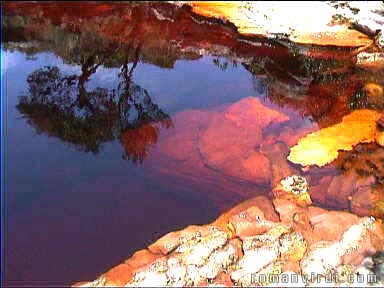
[304, 22]
[321, 147]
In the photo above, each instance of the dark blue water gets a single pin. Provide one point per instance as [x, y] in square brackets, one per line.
[71, 214]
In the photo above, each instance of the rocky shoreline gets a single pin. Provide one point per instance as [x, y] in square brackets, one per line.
[259, 243]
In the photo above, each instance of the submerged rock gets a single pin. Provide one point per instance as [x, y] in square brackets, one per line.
[239, 129]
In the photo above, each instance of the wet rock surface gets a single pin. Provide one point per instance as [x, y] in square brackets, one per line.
[249, 246]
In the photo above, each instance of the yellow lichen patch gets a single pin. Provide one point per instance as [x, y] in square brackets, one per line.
[231, 230]
[293, 247]
[321, 147]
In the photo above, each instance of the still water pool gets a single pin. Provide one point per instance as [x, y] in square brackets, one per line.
[118, 130]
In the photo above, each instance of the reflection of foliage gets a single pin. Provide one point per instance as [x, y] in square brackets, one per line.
[358, 101]
[137, 141]
[60, 106]
[33, 35]
[312, 81]
[223, 65]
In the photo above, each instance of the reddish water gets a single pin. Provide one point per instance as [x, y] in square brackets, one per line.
[118, 132]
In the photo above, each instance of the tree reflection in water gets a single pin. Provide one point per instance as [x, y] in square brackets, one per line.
[60, 106]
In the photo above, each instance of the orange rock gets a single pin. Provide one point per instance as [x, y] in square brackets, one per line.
[249, 222]
[261, 202]
[330, 225]
[121, 274]
[185, 130]
[319, 190]
[170, 241]
[80, 284]
[321, 229]
[294, 215]
[321, 147]
[223, 279]
[251, 113]
[286, 209]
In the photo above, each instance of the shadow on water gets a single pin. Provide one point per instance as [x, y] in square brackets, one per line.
[173, 133]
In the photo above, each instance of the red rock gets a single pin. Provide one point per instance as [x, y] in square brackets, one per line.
[251, 113]
[330, 225]
[340, 189]
[319, 191]
[223, 279]
[290, 134]
[121, 274]
[277, 153]
[186, 129]
[260, 202]
[249, 222]
[228, 144]
[286, 209]
[362, 202]
[367, 201]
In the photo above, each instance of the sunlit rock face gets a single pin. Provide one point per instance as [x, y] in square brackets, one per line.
[312, 23]
[321, 147]
[253, 241]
